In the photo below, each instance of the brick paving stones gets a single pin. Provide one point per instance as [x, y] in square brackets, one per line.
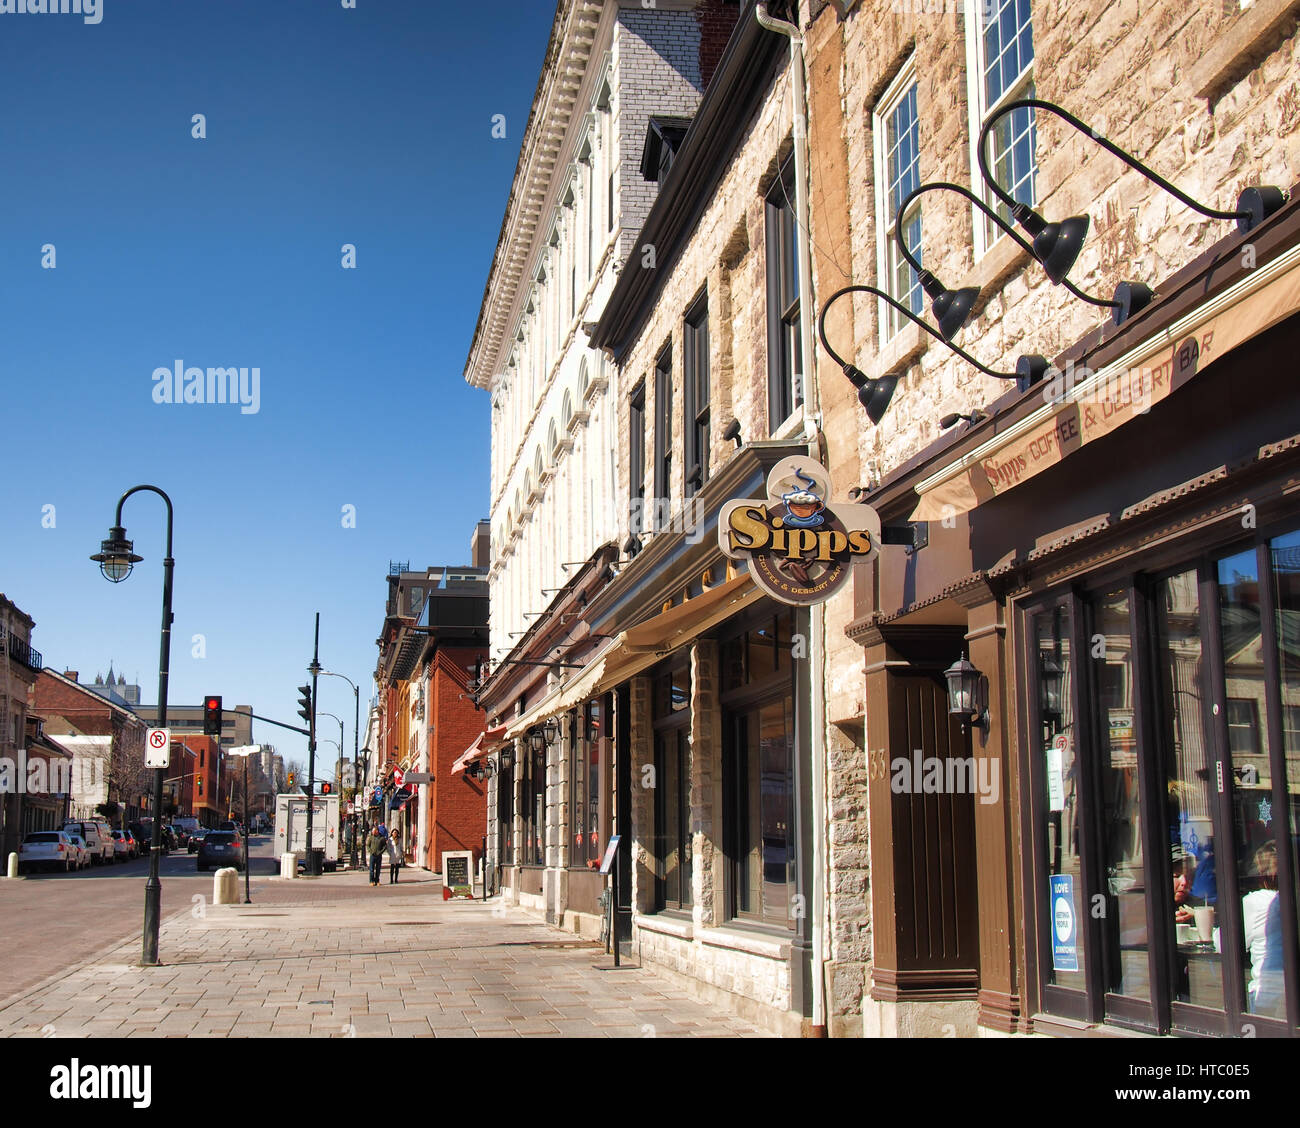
[341, 967]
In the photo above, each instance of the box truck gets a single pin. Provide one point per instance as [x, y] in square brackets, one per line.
[291, 826]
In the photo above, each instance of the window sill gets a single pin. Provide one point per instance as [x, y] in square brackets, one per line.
[755, 943]
[994, 267]
[669, 925]
[792, 426]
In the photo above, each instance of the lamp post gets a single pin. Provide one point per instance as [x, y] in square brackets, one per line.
[313, 855]
[363, 784]
[337, 744]
[244, 752]
[116, 559]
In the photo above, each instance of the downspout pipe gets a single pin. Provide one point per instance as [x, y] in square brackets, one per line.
[812, 435]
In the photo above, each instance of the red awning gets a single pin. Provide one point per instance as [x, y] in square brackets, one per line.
[482, 746]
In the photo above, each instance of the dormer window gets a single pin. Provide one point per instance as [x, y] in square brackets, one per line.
[663, 138]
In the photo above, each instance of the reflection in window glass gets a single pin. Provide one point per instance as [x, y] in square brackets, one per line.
[765, 848]
[1058, 747]
[1197, 970]
[1127, 962]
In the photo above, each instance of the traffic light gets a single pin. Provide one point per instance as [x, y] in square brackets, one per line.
[326, 788]
[291, 779]
[212, 716]
[304, 700]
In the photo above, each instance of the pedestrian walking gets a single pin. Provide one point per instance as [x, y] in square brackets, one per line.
[394, 860]
[375, 849]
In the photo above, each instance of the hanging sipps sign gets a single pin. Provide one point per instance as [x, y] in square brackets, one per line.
[798, 547]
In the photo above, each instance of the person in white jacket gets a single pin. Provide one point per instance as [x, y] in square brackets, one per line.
[394, 859]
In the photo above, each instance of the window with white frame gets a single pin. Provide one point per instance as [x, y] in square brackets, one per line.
[1000, 58]
[896, 134]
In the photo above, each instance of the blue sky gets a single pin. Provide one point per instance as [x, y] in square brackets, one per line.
[325, 126]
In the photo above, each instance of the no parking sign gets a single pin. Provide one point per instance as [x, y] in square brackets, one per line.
[158, 748]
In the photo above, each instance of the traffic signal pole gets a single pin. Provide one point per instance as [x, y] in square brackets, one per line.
[313, 858]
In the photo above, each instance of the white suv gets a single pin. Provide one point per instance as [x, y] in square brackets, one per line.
[49, 849]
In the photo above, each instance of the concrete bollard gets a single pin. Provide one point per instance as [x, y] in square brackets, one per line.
[13, 865]
[225, 886]
[288, 865]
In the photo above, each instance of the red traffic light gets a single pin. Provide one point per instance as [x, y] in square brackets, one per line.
[212, 716]
[326, 788]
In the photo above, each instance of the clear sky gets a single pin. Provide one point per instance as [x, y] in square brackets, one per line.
[325, 126]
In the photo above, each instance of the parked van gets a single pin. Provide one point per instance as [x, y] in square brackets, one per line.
[98, 838]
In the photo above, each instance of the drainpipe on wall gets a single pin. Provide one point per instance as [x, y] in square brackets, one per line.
[812, 435]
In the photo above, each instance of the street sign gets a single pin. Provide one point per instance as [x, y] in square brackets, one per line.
[157, 748]
[611, 851]
[417, 777]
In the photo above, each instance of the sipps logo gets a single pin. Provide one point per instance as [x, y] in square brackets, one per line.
[800, 547]
[91, 11]
[179, 384]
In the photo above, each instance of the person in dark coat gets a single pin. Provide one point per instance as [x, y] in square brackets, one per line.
[375, 850]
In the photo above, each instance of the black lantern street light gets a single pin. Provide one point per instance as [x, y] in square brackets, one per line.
[875, 394]
[537, 740]
[1052, 683]
[952, 308]
[1057, 245]
[965, 694]
[116, 559]
[551, 730]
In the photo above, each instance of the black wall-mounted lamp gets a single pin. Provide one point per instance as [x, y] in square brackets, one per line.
[952, 308]
[551, 730]
[1057, 245]
[732, 433]
[967, 692]
[972, 417]
[537, 740]
[875, 394]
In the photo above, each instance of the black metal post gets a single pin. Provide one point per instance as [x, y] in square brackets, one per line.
[483, 857]
[613, 910]
[248, 900]
[313, 860]
[153, 886]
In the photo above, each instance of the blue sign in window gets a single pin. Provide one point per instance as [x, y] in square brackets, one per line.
[1065, 923]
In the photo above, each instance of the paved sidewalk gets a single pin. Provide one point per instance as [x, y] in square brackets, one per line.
[393, 961]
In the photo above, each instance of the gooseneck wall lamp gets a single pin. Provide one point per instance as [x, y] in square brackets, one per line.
[952, 308]
[875, 394]
[1057, 245]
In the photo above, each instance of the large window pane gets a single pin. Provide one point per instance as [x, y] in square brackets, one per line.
[1059, 749]
[1127, 945]
[1197, 968]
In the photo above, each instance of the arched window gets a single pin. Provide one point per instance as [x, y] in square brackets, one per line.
[553, 440]
[539, 465]
[566, 411]
[584, 378]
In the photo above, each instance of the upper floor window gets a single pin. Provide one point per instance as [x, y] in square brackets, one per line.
[784, 345]
[636, 458]
[896, 138]
[695, 396]
[1000, 57]
[663, 424]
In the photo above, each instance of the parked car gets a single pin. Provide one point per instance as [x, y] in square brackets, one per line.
[221, 848]
[83, 858]
[46, 849]
[196, 840]
[135, 844]
[122, 846]
[98, 836]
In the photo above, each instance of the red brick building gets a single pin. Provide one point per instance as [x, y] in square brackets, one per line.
[58, 695]
[433, 639]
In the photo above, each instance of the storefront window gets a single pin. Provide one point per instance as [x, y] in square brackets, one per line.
[672, 789]
[534, 844]
[1284, 558]
[764, 813]
[505, 784]
[1127, 951]
[1197, 965]
[584, 800]
[1058, 741]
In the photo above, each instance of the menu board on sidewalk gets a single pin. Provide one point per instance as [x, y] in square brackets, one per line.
[457, 871]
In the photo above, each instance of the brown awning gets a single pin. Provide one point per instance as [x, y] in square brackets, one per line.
[1106, 400]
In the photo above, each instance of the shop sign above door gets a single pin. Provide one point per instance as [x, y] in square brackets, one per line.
[798, 546]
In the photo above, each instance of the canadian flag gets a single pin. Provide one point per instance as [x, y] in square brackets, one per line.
[398, 777]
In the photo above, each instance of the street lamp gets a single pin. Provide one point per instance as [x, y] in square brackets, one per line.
[116, 559]
[244, 751]
[337, 743]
